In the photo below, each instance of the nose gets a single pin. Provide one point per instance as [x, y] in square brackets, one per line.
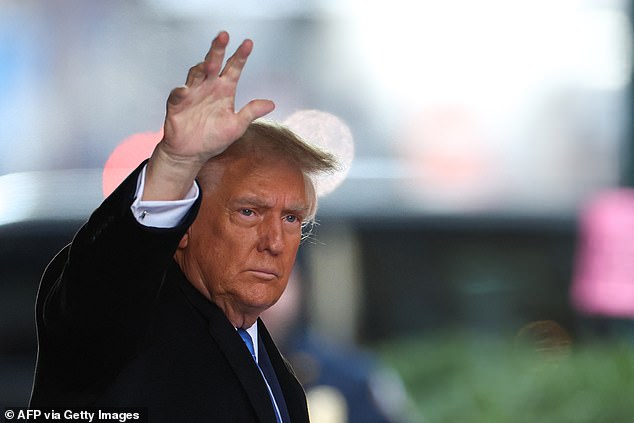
[271, 236]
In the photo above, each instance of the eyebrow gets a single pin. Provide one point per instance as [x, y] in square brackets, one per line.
[252, 200]
[258, 201]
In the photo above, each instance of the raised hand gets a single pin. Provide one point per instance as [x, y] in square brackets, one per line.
[201, 121]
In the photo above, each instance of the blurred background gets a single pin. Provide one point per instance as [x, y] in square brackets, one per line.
[478, 260]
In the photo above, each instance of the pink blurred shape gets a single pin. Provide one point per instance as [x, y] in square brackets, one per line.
[603, 283]
[126, 157]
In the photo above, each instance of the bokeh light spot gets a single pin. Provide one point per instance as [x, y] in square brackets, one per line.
[329, 133]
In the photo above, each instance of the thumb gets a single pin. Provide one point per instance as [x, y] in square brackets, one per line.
[177, 95]
[255, 109]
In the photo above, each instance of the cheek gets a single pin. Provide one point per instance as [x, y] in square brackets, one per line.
[291, 254]
[231, 252]
[226, 237]
[216, 249]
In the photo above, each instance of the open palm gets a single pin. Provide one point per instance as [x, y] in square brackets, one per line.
[201, 119]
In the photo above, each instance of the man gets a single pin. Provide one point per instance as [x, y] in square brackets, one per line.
[156, 301]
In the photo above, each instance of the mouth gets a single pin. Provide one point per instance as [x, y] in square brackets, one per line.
[264, 274]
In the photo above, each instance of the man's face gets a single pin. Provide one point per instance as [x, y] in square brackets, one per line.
[241, 248]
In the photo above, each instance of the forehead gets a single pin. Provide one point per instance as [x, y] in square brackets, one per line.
[269, 179]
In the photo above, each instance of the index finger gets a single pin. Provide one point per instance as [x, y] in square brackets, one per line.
[235, 64]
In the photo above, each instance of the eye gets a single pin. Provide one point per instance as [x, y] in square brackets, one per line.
[246, 212]
[291, 218]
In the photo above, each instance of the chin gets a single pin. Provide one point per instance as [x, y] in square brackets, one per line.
[260, 301]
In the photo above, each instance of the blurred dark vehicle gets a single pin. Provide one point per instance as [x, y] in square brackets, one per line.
[39, 214]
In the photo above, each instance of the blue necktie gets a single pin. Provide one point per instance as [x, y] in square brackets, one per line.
[249, 343]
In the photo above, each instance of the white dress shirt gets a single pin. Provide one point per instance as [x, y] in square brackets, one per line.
[161, 214]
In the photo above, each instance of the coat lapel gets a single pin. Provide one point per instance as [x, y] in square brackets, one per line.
[233, 348]
[291, 388]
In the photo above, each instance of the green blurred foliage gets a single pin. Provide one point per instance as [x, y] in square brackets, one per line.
[462, 378]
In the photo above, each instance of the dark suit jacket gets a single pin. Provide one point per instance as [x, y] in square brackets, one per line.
[119, 325]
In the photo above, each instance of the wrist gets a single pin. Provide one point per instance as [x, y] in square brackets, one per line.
[169, 178]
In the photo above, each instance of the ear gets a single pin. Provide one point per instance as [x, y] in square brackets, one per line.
[182, 244]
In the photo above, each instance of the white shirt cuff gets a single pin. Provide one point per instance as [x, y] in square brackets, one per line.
[161, 214]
